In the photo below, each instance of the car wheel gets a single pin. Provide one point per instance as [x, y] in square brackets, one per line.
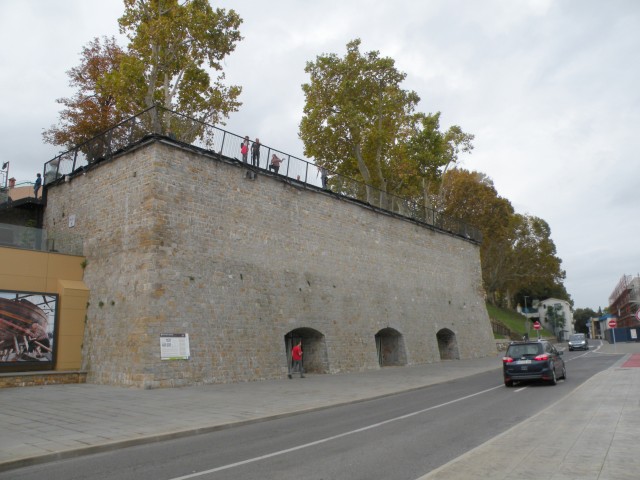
[508, 383]
[554, 379]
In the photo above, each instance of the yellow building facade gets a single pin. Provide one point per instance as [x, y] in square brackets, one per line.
[49, 273]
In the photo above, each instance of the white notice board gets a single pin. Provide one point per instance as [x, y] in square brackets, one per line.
[174, 346]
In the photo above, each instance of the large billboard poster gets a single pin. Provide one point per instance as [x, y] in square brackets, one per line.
[27, 329]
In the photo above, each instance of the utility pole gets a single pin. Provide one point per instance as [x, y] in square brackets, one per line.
[526, 315]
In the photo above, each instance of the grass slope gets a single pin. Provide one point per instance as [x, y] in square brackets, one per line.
[514, 321]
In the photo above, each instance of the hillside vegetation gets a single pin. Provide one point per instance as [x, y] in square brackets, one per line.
[514, 321]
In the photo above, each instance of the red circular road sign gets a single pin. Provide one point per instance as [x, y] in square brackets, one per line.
[638, 314]
[612, 323]
[536, 325]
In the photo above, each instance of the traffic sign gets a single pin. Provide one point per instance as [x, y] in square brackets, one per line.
[612, 323]
[638, 314]
[536, 325]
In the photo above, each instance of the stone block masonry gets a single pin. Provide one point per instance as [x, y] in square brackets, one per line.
[36, 379]
[177, 241]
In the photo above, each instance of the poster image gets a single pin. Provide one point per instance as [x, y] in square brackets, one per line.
[27, 328]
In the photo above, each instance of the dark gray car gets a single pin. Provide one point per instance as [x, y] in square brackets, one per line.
[578, 341]
[534, 360]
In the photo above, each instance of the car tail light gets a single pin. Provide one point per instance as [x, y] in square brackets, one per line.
[541, 358]
[507, 359]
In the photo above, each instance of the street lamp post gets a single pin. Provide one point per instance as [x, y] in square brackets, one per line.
[526, 315]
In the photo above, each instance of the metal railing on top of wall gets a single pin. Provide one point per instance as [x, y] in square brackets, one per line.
[158, 120]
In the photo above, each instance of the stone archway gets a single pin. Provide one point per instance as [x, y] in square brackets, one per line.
[390, 348]
[447, 345]
[314, 358]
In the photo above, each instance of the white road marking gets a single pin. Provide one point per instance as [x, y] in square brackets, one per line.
[579, 356]
[596, 350]
[328, 439]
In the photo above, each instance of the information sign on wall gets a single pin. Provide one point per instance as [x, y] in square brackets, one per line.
[174, 346]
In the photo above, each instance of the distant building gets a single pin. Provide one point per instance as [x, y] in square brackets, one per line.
[18, 206]
[624, 301]
[561, 310]
[19, 191]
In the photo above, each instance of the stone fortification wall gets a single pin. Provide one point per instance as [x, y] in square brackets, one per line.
[179, 242]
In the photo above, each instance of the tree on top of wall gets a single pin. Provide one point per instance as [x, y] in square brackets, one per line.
[92, 109]
[173, 48]
[359, 122]
[517, 252]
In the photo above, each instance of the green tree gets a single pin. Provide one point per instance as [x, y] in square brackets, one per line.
[428, 155]
[172, 48]
[555, 317]
[582, 317]
[532, 267]
[537, 266]
[359, 122]
[354, 115]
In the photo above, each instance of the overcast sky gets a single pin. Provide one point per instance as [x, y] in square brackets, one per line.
[550, 89]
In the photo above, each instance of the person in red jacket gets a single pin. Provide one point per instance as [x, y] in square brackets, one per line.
[296, 360]
[244, 149]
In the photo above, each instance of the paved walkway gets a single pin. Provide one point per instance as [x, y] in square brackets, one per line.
[596, 426]
[593, 433]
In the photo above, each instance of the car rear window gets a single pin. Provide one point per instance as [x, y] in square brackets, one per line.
[526, 350]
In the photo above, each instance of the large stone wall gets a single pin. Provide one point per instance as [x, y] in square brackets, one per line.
[180, 242]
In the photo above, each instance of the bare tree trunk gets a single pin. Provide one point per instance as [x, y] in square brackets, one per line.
[428, 207]
[382, 198]
[366, 175]
[151, 87]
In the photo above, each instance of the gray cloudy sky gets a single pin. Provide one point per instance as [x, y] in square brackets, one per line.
[549, 88]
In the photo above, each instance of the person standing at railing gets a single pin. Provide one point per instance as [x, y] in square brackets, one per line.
[255, 153]
[275, 163]
[324, 176]
[37, 185]
[244, 149]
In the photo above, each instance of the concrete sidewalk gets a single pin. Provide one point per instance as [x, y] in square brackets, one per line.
[40, 424]
[592, 433]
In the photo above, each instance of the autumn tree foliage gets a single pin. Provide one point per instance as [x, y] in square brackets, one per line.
[92, 109]
[472, 197]
[359, 122]
[173, 59]
[517, 253]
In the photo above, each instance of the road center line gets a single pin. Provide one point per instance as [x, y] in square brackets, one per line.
[329, 439]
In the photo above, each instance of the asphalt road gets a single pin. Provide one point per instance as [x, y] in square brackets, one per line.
[398, 437]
